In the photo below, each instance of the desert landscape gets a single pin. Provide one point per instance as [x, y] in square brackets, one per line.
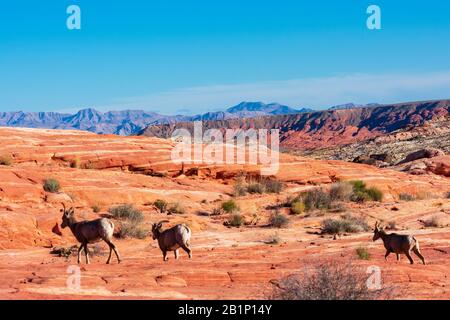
[248, 231]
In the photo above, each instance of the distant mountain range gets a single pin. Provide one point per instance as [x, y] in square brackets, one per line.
[130, 122]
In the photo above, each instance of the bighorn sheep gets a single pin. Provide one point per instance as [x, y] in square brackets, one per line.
[398, 244]
[89, 232]
[172, 239]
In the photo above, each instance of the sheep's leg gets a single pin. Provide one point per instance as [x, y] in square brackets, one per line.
[188, 250]
[86, 252]
[112, 248]
[417, 252]
[408, 254]
[387, 254]
[398, 257]
[176, 252]
[165, 256]
[79, 253]
[110, 253]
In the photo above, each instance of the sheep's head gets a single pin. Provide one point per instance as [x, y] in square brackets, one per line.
[377, 232]
[67, 216]
[156, 229]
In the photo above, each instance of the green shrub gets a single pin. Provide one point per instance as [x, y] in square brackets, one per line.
[362, 194]
[375, 194]
[6, 160]
[346, 224]
[341, 191]
[161, 205]
[230, 206]
[406, 197]
[132, 229]
[298, 208]
[52, 185]
[127, 212]
[358, 185]
[236, 220]
[363, 253]
[176, 208]
[278, 220]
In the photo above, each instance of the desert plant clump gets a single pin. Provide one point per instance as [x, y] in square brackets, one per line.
[161, 205]
[229, 206]
[132, 229]
[236, 220]
[127, 212]
[328, 281]
[75, 163]
[298, 208]
[273, 186]
[406, 197]
[51, 185]
[256, 187]
[96, 208]
[345, 224]
[316, 199]
[6, 160]
[278, 220]
[176, 208]
[435, 222]
[363, 253]
[363, 194]
[341, 191]
[273, 239]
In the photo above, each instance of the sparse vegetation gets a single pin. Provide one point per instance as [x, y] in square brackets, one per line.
[132, 229]
[257, 187]
[341, 191]
[298, 208]
[51, 185]
[230, 206]
[6, 160]
[345, 224]
[273, 239]
[236, 220]
[127, 212]
[176, 208]
[363, 253]
[406, 197]
[96, 208]
[327, 281]
[273, 186]
[161, 205]
[362, 194]
[435, 222]
[278, 220]
[75, 163]
[316, 199]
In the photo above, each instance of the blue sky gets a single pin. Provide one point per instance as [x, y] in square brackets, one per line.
[196, 56]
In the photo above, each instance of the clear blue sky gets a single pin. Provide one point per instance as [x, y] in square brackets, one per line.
[192, 56]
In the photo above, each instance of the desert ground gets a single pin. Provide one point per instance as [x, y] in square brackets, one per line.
[103, 171]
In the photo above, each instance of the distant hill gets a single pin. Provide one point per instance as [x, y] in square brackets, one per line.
[130, 122]
[322, 129]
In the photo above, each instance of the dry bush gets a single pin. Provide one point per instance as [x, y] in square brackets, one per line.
[328, 281]
[51, 185]
[345, 224]
[363, 253]
[6, 160]
[176, 208]
[406, 197]
[273, 239]
[132, 229]
[341, 191]
[236, 220]
[435, 221]
[278, 220]
[96, 208]
[161, 205]
[127, 212]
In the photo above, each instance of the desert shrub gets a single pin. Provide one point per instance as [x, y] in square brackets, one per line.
[406, 197]
[273, 186]
[256, 187]
[316, 199]
[230, 206]
[362, 194]
[434, 222]
[240, 188]
[298, 208]
[327, 281]
[278, 220]
[273, 239]
[216, 212]
[363, 253]
[236, 220]
[75, 163]
[127, 212]
[176, 208]
[51, 185]
[341, 191]
[96, 208]
[423, 195]
[161, 205]
[345, 224]
[6, 160]
[132, 229]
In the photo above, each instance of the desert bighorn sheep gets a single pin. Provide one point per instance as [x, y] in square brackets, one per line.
[172, 239]
[398, 244]
[89, 232]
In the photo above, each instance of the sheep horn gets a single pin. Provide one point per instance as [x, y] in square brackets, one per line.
[161, 222]
[64, 206]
